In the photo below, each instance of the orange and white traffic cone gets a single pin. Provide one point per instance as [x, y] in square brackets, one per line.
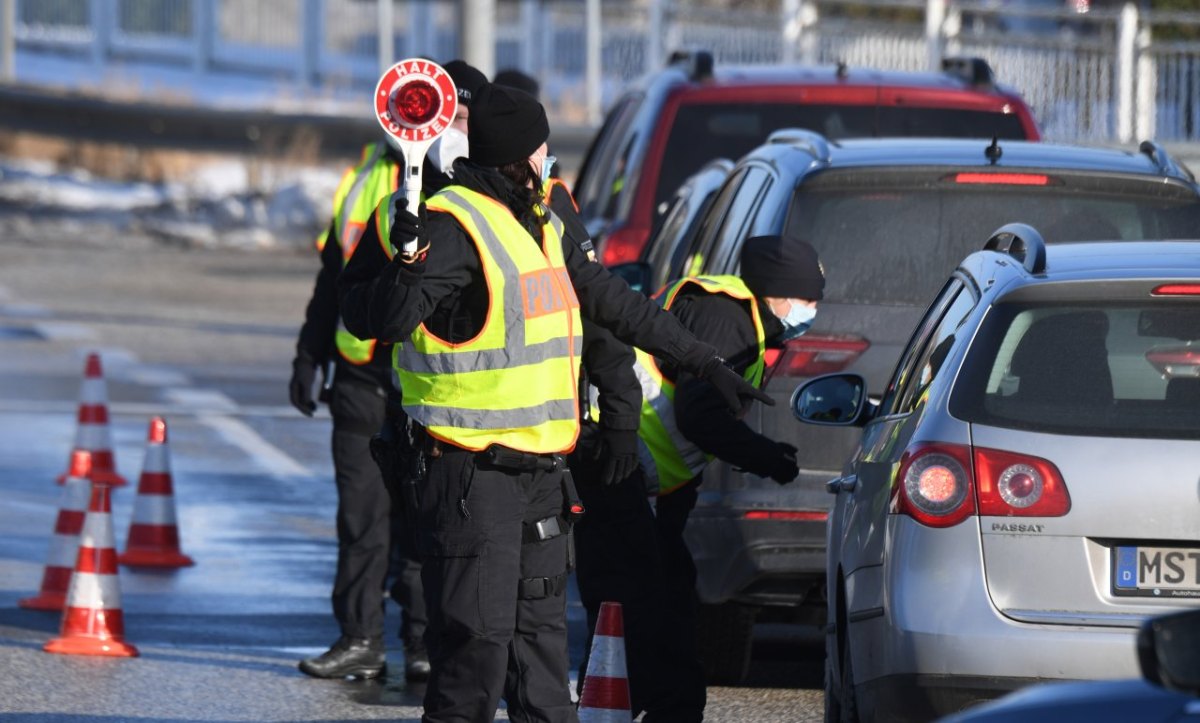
[153, 533]
[92, 622]
[92, 432]
[64, 543]
[605, 694]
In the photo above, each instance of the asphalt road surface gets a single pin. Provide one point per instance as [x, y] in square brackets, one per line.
[205, 339]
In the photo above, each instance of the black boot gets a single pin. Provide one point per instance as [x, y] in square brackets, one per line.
[357, 657]
[416, 661]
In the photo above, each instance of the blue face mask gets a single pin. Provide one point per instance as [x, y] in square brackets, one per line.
[547, 165]
[797, 321]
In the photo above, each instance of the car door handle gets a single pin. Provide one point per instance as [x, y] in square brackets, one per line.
[842, 484]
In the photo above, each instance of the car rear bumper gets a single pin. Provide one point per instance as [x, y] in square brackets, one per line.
[903, 698]
[756, 562]
[937, 624]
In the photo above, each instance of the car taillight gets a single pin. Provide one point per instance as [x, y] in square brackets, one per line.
[623, 246]
[812, 355]
[933, 484]
[787, 515]
[1176, 290]
[1018, 485]
[1003, 179]
[1180, 361]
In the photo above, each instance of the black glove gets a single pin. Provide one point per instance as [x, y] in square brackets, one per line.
[618, 449]
[784, 469]
[406, 226]
[736, 391]
[300, 388]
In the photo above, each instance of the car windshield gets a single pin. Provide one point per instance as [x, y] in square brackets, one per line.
[1101, 369]
[703, 131]
[892, 237]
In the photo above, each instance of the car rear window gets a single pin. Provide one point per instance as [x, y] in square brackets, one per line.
[703, 131]
[1095, 369]
[892, 237]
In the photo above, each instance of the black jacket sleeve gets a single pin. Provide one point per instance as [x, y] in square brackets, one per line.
[630, 316]
[607, 362]
[700, 413]
[387, 299]
[316, 338]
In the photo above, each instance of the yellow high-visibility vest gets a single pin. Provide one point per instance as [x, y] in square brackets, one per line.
[377, 176]
[516, 382]
[667, 456]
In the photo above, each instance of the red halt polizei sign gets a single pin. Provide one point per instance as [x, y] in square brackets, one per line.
[415, 102]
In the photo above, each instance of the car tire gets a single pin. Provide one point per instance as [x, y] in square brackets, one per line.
[847, 698]
[725, 634]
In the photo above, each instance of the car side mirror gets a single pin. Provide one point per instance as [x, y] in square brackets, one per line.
[1168, 649]
[837, 400]
[634, 273]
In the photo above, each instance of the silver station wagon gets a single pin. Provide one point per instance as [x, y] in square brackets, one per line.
[1026, 489]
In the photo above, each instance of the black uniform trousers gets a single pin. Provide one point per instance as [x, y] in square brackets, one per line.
[489, 635]
[363, 525]
[633, 554]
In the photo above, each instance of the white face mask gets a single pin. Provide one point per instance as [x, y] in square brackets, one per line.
[450, 145]
[546, 166]
[797, 320]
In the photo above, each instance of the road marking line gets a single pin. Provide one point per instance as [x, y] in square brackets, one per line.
[204, 400]
[241, 435]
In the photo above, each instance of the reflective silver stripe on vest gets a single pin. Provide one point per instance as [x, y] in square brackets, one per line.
[664, 409]
[525, 417]
[484, 359]
[360, 179]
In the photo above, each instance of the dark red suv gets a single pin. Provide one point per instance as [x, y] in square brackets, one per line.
[672, 122]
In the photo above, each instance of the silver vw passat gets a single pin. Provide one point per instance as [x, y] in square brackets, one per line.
[1026, 490]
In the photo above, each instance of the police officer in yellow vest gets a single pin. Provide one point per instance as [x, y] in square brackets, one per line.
[684, 426]
[357, 385]
[486, 315]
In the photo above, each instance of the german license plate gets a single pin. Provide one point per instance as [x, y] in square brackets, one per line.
[1156, 571]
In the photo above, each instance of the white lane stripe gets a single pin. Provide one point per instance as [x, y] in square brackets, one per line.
[89, 590]
[239, 434]
[33, 406]
[64, 331]
[608, 657]
[207, 400]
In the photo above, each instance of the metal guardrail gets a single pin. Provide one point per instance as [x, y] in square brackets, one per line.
[329, 138]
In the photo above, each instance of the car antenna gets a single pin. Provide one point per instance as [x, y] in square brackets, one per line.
[994, 151]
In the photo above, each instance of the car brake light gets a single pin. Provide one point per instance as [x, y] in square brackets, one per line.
[933, 484]
[1176, 290]
[1180, 361]
[1018, 485]
[787, 515]
[812, 355]
[1004, 179]
[623, 246]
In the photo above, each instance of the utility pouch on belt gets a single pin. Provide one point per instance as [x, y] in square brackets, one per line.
[402, 463]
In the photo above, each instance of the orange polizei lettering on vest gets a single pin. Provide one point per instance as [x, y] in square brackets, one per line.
[540, 294]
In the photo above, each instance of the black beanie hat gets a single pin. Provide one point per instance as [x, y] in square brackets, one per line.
[467, 79]
[513, 78]
[505, 125]
[783, 267]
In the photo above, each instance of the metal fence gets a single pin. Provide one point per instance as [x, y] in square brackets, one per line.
[1103, 75]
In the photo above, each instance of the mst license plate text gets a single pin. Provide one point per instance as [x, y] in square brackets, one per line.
[1156, 571]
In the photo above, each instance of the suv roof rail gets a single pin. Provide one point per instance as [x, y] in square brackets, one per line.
[1022, 242]
[698, 64]
[1159, 156]
[975, 71]
[811, 141]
